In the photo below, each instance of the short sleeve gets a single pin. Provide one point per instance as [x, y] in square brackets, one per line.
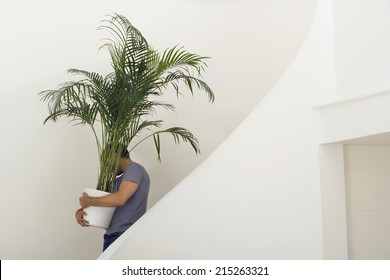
[133, 174]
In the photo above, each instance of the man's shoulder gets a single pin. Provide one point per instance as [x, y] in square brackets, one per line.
[135, 172]
[134, 167]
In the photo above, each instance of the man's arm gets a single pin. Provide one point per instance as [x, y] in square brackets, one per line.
[126, 190]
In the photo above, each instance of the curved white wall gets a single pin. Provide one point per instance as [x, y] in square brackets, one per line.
[258, 195]
[44, 168]
[275, 189]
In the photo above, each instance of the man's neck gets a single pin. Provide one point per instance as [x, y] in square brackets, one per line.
[123, 167]
[127, 163]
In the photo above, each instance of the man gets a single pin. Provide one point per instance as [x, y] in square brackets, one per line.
[130, 196]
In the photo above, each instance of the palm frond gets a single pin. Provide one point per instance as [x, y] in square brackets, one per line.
[178, 57]
[179, 134]
[174, 79]
[69, 100]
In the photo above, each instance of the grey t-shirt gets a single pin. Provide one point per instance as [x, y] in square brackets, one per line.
[135, 206]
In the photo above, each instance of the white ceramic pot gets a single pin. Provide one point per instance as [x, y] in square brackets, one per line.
[99, 217]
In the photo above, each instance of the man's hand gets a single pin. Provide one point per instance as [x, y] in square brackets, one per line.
[85, 200]
[80, 218]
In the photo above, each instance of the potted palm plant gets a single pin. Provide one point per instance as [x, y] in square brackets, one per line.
[119, 107]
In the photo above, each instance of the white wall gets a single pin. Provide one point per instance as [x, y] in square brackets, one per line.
[44, 168]
[354, 113]
[362, 44]
[355, 117]
[367, 171]
[271, 163]
[258, 195]
[333, 205]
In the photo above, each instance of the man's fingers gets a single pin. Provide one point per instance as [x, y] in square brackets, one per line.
[83, 222]
[80, 214]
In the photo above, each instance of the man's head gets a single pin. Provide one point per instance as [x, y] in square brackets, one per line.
[120, 157]
[124, 160]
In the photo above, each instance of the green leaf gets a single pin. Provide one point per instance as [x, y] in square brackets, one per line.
[157, 143]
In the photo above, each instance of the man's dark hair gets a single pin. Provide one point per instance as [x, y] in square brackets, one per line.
[119, 149]
[125, 153]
